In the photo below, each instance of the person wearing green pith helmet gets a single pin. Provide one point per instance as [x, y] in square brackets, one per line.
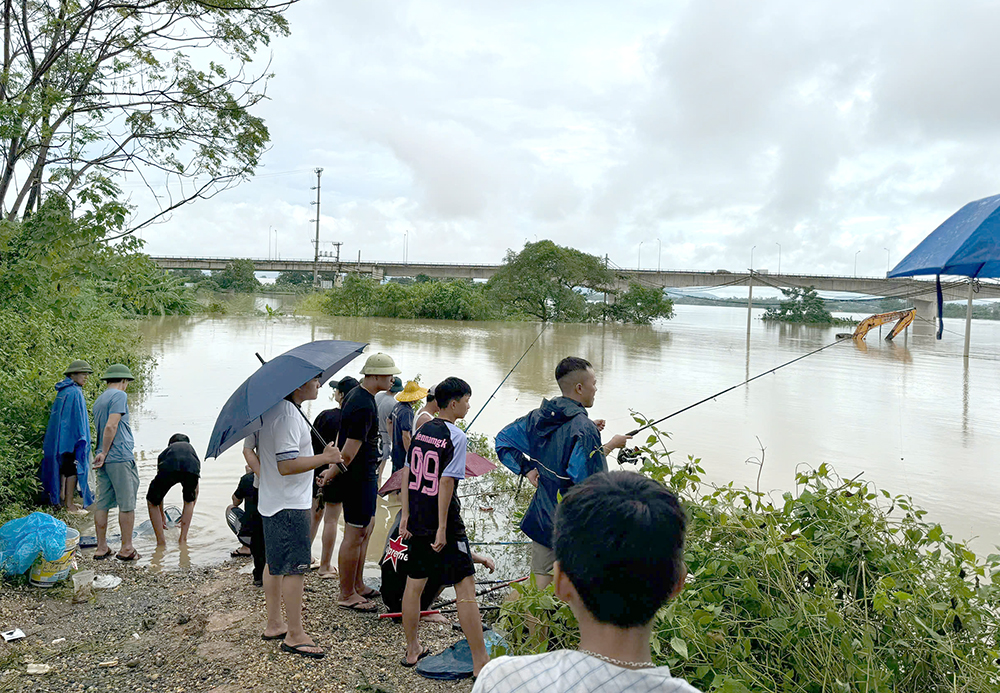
[117, 474]
[66, 448]
[355, 481]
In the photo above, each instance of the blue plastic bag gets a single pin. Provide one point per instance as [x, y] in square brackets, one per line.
[21, 541]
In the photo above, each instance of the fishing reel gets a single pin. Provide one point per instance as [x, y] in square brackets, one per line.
[630, 456]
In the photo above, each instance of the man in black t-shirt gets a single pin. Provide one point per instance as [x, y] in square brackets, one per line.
[177, 464]
[326, 504]
[355, 480]
[436, 464]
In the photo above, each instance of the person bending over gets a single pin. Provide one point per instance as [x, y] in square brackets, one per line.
[177, 464]
[614, 589]
[431, 521]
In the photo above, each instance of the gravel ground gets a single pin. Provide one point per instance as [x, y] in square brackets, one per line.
[198, 630]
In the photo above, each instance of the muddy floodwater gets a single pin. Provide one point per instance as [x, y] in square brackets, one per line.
[913, 416]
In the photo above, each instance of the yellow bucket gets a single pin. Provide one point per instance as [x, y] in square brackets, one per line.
[48, 573]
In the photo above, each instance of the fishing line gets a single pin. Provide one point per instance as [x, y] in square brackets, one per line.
[729, 389]
[544, 327]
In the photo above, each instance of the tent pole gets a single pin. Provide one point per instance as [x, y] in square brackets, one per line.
[968, 319]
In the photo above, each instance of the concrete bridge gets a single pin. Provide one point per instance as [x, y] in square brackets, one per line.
[918, 292]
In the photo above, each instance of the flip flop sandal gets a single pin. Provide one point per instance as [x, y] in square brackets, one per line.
[329, 576]
[297, 649]
[374, 594]
[134, 556]
[426, 651]
[102, 556]
[365, 607]
[279, 636]
[240, 554]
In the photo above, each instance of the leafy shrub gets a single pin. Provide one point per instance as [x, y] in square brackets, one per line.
[803, 306]
[835, 587]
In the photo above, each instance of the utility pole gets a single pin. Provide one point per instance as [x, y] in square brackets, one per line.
[319, 172]
[750, 297]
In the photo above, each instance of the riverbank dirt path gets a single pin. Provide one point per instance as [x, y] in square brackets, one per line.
[198, 630]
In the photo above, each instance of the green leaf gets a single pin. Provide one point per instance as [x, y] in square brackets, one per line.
[679, 646]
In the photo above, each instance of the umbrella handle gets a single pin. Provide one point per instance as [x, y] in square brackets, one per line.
[306, 418]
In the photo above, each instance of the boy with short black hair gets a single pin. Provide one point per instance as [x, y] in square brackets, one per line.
[554, 447]
[614, 590]
[178, 463]
[431, 522]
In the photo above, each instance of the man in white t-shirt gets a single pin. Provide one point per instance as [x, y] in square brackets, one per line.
[640, 526]
[284, 447]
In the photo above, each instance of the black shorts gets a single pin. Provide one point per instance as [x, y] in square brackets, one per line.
[449, 566]
[286, 542]
[164, 481]
[359, 496]
[67, 464]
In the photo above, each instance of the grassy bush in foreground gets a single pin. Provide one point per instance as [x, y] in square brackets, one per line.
[835, 587]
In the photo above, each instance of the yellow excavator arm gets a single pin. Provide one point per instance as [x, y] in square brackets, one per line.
[903, 318]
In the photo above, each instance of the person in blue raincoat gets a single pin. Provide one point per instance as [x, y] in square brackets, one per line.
[66, 449]
[555, 447]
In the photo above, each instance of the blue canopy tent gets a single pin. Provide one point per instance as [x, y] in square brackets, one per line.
[967, 244]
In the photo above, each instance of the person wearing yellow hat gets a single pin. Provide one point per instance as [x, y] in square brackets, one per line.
[402, 421]
[355, 479]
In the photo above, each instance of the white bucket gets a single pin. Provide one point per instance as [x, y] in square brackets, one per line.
[48, 573]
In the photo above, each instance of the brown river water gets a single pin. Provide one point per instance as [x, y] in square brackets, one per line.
[912, 416]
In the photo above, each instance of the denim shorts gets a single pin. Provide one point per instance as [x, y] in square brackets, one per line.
[117, 486]
[286, 542]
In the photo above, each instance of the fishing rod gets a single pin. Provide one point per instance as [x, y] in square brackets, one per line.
[437, 608]
[729, 389]
[486, 591]
[469, 427]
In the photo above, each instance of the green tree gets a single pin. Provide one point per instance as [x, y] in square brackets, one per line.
[544, 281]
[357, 296]
[294, 278]
[640, 305]
[238, 276]
[801, 306]
[90, 89]
[188, 275]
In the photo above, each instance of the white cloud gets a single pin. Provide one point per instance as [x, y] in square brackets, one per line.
[711, 126]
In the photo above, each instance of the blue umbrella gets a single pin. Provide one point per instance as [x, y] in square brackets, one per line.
[272, 382]
[967, 244]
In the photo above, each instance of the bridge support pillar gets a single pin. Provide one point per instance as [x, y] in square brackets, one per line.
[926, 322]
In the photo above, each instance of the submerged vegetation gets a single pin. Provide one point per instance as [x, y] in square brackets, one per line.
[836, 586]
[803, 306]
[543, 282]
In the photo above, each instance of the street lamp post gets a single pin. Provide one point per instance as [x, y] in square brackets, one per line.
[269, 229]
[638, 264]
[779, 256]
[856, 263]
[276, 256]
[886, 260]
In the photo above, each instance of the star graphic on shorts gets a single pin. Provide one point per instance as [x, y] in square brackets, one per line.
[396, 552]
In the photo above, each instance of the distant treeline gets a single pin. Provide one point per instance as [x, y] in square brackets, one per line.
[543, 281]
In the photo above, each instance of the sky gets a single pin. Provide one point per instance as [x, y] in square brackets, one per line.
[685, 135]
